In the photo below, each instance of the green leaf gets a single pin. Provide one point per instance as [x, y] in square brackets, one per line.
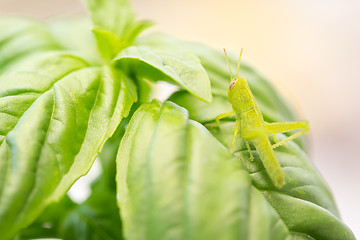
[21, 38]
[56, 112]
[179, 67]
[176, 181]
[113, 16]
[115, 25]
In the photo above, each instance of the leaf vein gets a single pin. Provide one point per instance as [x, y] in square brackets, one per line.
[9, 114]
[90, 114]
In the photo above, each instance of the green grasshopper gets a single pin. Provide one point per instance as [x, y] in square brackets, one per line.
[253, 127]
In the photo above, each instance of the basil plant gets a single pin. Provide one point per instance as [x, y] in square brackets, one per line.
[79, 89]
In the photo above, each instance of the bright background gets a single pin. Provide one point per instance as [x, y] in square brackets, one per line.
[309, 49]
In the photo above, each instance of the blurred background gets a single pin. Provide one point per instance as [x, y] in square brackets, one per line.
[308, 49]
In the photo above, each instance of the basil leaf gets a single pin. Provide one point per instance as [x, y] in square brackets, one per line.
[181, 68]
[56, 113]
[176, 181]
[112, 16]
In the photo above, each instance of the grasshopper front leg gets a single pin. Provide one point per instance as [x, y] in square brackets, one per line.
[280, 127]
[218, 118]
[236, 131]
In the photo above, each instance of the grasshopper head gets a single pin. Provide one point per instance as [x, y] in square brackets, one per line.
[236, 84]
[236, 88]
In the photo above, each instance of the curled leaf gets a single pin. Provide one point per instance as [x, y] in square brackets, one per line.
[183, 69]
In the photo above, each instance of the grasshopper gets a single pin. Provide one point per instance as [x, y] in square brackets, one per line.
[253, 127]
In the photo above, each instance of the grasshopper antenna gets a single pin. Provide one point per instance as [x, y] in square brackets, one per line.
[238, 66]
[227, 60]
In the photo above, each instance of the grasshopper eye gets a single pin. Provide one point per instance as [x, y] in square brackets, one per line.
[232, 84]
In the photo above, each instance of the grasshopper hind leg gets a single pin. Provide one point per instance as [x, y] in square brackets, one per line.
[280, 127]
[268, 158]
